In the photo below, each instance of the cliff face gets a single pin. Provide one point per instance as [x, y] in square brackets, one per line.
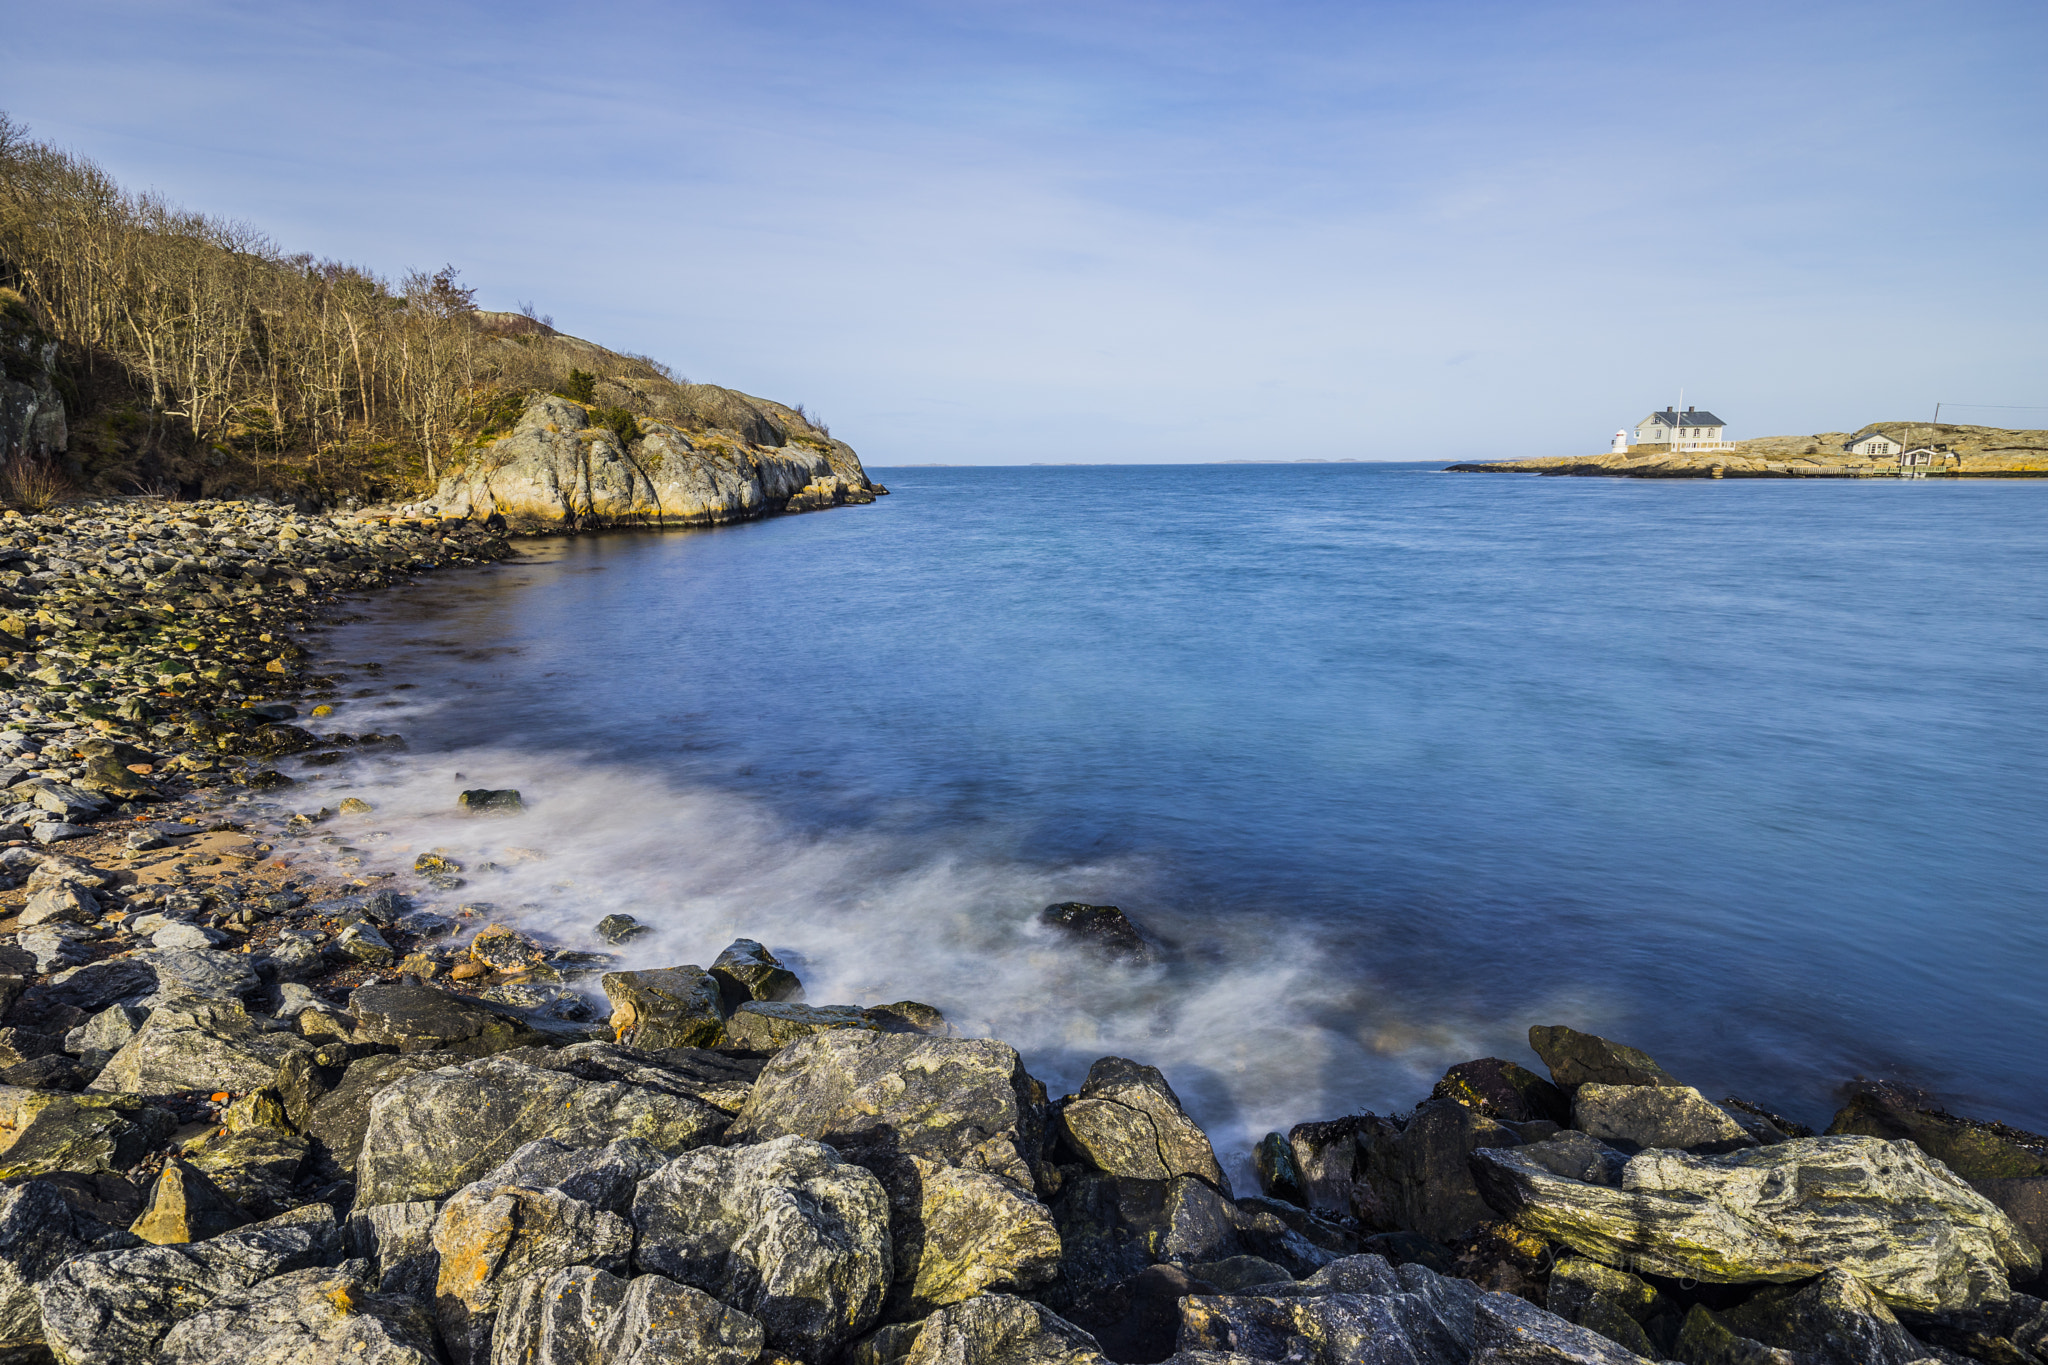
[1985, 452]
[31, 410]
[559, 468]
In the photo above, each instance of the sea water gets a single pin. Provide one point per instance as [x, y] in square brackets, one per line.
[1752, 775]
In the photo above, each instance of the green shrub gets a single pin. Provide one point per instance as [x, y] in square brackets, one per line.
[579, 387]
[619, 421]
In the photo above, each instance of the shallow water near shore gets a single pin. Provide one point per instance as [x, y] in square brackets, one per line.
[1751, 775]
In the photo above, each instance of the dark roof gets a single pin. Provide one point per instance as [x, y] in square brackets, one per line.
[1695, 418]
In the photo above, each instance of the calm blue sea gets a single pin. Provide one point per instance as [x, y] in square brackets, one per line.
[1752, 775]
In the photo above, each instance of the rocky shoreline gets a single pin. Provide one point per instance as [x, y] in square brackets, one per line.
[257, 1106]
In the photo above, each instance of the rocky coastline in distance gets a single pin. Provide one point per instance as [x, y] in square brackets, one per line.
[1982, 453]
[254, 1108]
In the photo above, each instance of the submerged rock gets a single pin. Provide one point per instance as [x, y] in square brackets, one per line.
[1903, 1224]
[1104, 928]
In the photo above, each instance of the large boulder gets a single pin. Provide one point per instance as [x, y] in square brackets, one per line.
[305, 1317]
[417, 1018]
[1575, 1058]
[194, 1042]
[1836, 1320]
[1111, 1228]
[604, 1177]
[786, 1231]
[964, 1102]
[114, 1307]
[666, 1007]
[1903, 1224]
[1633, 1117]
[1128, 1122]
[1358, 1310]
[335, 1118]
[490, 1237]
[431, 1134]
[1504, 1092]
[768, 1025]
[1511, 1331]
[747, 971]
[557, 1318]
[1421, 1174]
[397, 1241]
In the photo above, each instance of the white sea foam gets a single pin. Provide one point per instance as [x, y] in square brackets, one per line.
[1247, 1020]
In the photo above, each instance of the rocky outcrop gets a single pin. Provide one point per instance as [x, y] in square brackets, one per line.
[32, 419]
[560, 467]
[1979, 452]
[1918, 1236]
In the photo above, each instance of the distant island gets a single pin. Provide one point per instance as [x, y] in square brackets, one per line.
[1879, 450]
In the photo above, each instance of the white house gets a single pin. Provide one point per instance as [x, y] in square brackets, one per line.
[1688, 430]
[1876, 443]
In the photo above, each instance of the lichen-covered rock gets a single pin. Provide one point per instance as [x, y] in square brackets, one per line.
[1611, 1302]
[1703, 1339]
[335, 1119]
[1504, 1092]
[767, 1025]
[958, 1233]
[1421, 1173]
[1903, 1224]
[431, 1134]
[996, 1329]
[194, 1042]
[604, 1177]
[185, 1206]
[1128, 1122]
[397, 1240]
[1633, 1117]
[1575, 1058]
[786, 1231]
[960, 1101]
[489, 1237]
[1111, 1228]
[1362, 1312]
[305, 1317]
[42, 1132]
[114, 1307]
[666, 1007]
[559, 1318]
[38, 1233]
[691, 1072]
[416, 1018]
[747, 971]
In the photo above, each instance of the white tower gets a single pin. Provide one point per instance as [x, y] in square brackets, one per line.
[1620, 446]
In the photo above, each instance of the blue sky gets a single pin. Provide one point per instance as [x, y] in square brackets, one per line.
[1006, 232]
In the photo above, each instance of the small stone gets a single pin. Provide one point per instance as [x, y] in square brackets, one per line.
[362, 942]
[490, 799]
[468, 971]
[620, 928]
[504, 949]
[355, 805]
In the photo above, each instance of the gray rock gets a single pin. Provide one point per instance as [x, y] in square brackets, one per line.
[1128, 1122]
[66, 902]
[1903, 1224]
[604, 1177]
[1112, 1228]
[667, 1007]
[489, 1237]
[57, 831]
[747, 971]
[964, 1102]
[1330, 1155]
[1836, 1320]
[397, 1240]
[1703, 1339]
[1421, 1174]
[186, 1206]
[207, 972]
[786, 1231]
[544, 1003]
[37, 1235]
[693, 1073]
[1511, 1331]
[193, 1042]
[620, 929]
[431, 1134]
[997, 1329]
[418, 1018]
[1575, 1156]
[1575, 1058]
[305, 1317]
[1633, 1117]
[186, 936]
[256, 1167]
[362, 942]
[108, 1031]
[1611, 1302]
[767, 1026]
[114, 1307]
[57, 946]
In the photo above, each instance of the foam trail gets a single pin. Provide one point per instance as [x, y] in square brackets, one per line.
[1246, 1023]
